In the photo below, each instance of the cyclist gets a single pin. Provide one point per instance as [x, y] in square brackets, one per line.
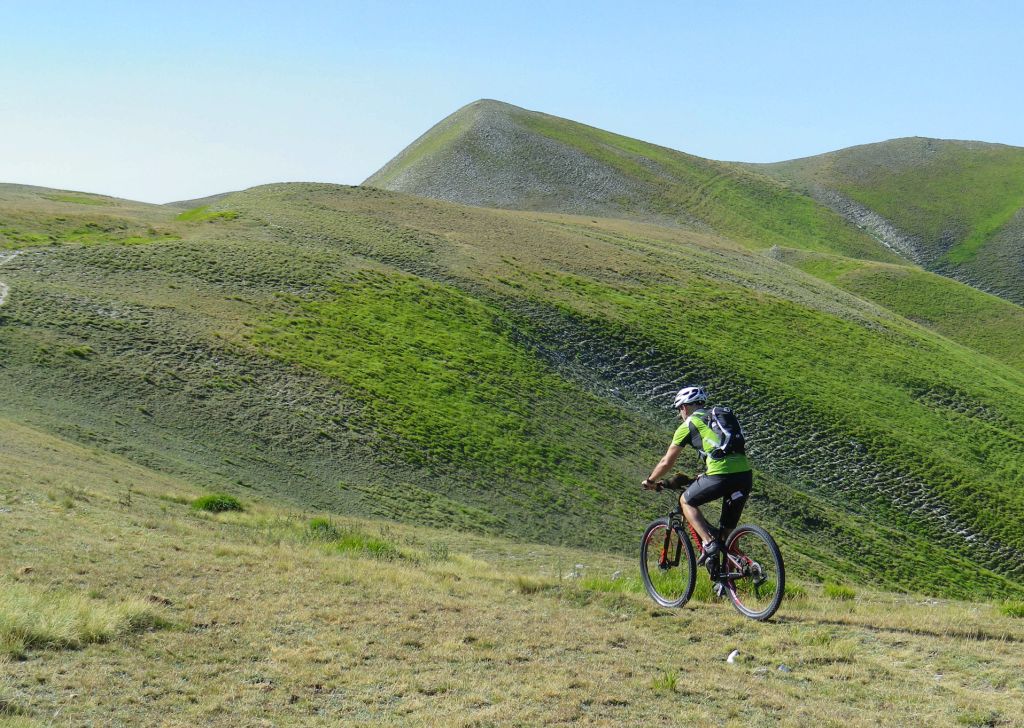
[729, 478]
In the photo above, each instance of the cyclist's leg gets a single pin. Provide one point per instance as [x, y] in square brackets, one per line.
[735, 498]
[705, 489]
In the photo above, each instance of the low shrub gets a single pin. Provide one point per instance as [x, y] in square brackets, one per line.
[702, 590]
[361, 544]
[795, 591]
[980, 718]
[322, 529]
[839, 592]
[81, 352]
[529, 585]
[439, 552]
[1012, 608]
[666, 682]
[9, 709]
[217, 503]
[612, 585]
[205, 214]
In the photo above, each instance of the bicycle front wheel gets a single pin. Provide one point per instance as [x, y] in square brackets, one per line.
[667, 564]
[755, 577]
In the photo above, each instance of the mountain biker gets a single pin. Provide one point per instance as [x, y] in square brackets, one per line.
[729, 478]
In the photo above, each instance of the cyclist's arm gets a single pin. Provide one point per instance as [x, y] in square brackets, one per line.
[667, 461]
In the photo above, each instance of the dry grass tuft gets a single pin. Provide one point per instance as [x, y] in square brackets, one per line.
[35, 618]
[532, 585]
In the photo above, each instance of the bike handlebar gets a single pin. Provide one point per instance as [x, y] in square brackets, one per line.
[666, 485]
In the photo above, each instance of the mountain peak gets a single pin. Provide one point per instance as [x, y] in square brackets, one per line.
[490, 153]
[493, 154]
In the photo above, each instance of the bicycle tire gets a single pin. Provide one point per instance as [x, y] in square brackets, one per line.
[755, 560]
[674, 574]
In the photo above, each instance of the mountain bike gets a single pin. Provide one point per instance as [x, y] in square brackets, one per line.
[748, 569]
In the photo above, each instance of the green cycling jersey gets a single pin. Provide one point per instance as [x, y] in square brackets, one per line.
[696, 431]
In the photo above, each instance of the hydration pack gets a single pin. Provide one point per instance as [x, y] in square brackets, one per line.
[724, 424]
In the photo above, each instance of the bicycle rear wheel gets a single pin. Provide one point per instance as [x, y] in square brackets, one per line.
[667, 564]
[755, 577]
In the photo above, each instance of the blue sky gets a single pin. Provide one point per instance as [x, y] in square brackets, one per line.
[162, 101]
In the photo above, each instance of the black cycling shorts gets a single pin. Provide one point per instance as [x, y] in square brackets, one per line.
[733, 487]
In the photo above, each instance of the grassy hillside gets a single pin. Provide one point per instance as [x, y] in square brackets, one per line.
[162, 614]
[959, 204]
[980, 321]
[365, 352]
[38, 216]
[497, 155]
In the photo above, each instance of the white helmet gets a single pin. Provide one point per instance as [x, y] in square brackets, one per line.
[689, 395]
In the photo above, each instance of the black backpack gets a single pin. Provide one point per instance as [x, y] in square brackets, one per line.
[724, 424]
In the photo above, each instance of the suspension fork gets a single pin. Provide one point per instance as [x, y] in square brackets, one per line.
[663, 561]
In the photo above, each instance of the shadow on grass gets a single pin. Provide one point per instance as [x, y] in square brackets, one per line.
[974, 635]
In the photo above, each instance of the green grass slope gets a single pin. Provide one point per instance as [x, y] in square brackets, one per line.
[498, 372]
[497, 155]
[122, 605]
[980, 321]
[959, 206]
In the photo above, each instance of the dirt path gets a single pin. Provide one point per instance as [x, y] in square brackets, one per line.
[4, 259]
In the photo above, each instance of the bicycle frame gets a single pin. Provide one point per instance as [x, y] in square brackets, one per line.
[736, 558]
